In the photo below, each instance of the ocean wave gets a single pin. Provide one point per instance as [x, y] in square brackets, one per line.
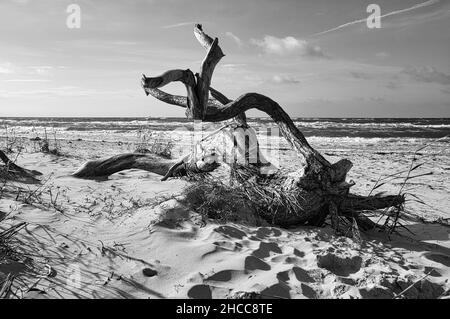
[311, 127]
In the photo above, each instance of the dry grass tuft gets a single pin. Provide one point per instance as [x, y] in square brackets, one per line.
[396, 217]
[160, 144]
[248, 193]
[7, 251]
[13, 251]
[48, 145]
[246, 196]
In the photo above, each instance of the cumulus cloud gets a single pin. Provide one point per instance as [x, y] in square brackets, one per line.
[285, 79]
[235, 38]
[287, 46]
[428, 75]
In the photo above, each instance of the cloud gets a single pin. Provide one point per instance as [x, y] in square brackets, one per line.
[392, 13]
[64, 91]
[27, 80]
[382, 55]
[360, 75]
[377, 99]
[233, 65]
[41, 70]
[287, 46]
[235, 38]
[285, 79]
[7, 68]
[445, 90]
[391, 85]
[428, 74]
[22, 2]
[177, 25]
[124, 43]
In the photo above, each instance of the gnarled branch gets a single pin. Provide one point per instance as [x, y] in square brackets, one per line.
[273, 109]
[147, 162]
[213, 57]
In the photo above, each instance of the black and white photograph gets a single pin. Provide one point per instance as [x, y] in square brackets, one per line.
[227, 156]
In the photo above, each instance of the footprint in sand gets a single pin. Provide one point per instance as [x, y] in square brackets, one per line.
[224, 275]
[289, 260]
[341, 266]
[228, 245]
[200, 292]
[376, 293]
[223, 246]
[302, 275]
[283, 276]
[308, 292]
[277, 291]
[265, 248]
[148, 272]
[267, 232]
[299, 253]
[253, 263]
[230, 232]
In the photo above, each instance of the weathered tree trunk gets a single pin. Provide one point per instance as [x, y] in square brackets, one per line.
[317, 185]
[12, 171]
[147, 162]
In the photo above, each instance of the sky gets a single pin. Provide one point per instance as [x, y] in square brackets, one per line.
[316, 58]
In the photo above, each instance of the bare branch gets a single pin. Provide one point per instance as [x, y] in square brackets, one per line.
[241, 119]
[205, 40]
[267, 105]
[179, 100]
[149, 162]
[166, 97]
[184, 76]
[204, 78]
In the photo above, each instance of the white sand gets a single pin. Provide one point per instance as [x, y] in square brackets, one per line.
[110, 235]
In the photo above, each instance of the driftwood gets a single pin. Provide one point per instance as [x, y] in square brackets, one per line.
[12, 171]
[148, 162]
[318, 186]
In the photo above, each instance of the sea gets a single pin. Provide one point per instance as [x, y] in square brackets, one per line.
[433, 128]
[370, 134]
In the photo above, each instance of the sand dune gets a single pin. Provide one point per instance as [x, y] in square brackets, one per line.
[131, 237]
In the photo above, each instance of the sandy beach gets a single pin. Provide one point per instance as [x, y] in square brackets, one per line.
[224, 150]
[131, 236]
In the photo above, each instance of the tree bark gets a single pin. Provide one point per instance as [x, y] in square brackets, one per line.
[148, 162]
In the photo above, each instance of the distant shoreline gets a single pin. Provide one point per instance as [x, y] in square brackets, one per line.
[435, 128]
[249, 117]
